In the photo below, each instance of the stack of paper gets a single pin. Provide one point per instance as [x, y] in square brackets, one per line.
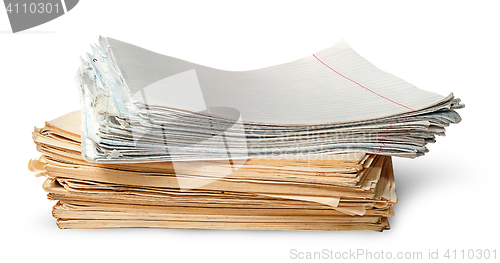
[142, 106]
[165, 143]
[351, 192]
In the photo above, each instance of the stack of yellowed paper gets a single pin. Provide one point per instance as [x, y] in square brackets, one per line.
[349, 191]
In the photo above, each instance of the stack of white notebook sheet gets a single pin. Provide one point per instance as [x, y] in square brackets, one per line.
[140, 106]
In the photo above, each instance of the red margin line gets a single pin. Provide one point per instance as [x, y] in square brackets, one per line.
[362, 85]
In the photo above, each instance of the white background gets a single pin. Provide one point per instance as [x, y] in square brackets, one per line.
[448, 199]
